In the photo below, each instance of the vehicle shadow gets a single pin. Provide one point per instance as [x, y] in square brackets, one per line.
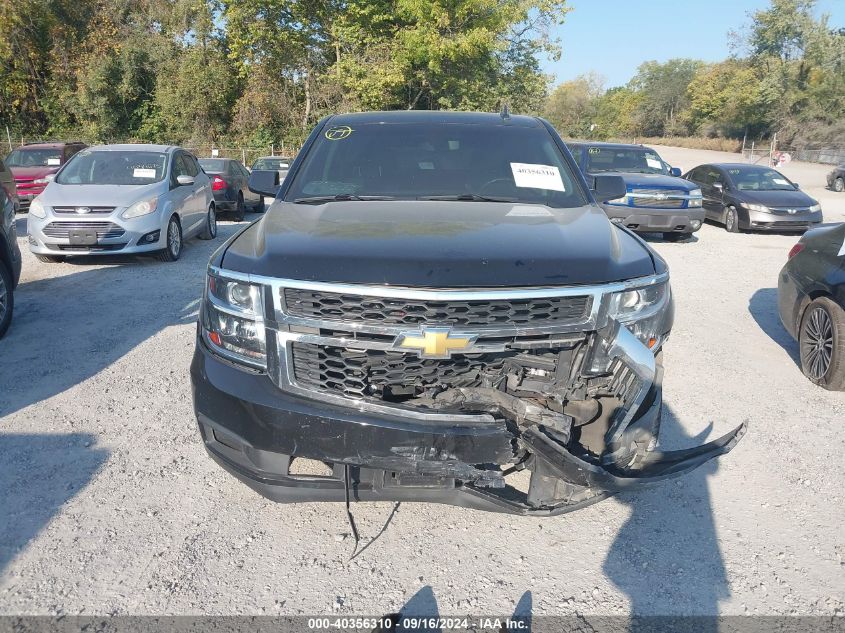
[652, 238]
[70, 327]
[40, 473]
[763, 307]
[666, 557]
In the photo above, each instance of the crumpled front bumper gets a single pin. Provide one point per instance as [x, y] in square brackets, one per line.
[255, 431]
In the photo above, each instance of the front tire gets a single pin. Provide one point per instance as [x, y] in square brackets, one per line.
[259, 206]
[821, 340]
[731, 220]
[240, 209]
[839, 185]
[210, 230]
[7, 299]
[174, 242]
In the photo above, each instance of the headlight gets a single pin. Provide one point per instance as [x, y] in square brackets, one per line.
[232, 321]
[36, 208]
[622, 200]
[756, 207]
[642, 310]
[144, 207]
[695, 198]
[815, 208]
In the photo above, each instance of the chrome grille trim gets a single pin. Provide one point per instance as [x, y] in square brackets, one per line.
[105, 230]
[92, 210]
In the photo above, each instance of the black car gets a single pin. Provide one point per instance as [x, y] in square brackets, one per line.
[811, 300]
[753, 197]
[435, 302]
[657, 198]
[10, 257]
[229, 183]
[836, 179]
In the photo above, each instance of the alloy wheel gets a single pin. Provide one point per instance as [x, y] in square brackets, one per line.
[730, 218]
[839, 185]
[174, 239]
[817, 343]
[4, 299]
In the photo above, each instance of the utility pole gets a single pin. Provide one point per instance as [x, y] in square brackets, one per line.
[9, 138]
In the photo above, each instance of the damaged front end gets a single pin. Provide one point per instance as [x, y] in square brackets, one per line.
[531, 401]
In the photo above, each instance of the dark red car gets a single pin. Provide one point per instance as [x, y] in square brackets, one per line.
[32, 163]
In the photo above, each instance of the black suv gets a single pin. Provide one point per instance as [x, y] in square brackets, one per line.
[435, 308]
[10, 255]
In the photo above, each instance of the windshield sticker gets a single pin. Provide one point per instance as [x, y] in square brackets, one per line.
[780, 181]
[594, 150]
[527, 211]
[52, 162]
[537, 176]
[654, 163]
[338, 133]
[144, 173]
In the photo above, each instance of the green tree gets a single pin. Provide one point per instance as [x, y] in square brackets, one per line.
[665, 100]
[572, 106]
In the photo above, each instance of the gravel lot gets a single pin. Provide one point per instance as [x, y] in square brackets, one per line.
[110, 505]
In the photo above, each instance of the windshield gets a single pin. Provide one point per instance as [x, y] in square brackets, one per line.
[113, 168]
[639, 160]
[759, 179]
[423, 160]
[213, 165]
[35, 157]
[271, 164]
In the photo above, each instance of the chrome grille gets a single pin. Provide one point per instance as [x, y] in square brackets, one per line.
[105, 230]
[91, 210]
[327, 306]
[658, 198]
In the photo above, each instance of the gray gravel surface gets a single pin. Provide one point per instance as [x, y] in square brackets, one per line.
[108, 503]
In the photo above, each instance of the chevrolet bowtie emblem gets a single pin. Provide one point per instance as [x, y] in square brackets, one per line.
[434, 342]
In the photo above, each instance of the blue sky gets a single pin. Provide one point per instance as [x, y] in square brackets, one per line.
[613, 37]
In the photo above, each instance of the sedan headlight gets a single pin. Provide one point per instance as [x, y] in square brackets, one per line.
[623, 200]
[762, 208]
[36, 209]
[815, 208]
[695, 198]
[642, 310]
[233, 322]
[141, 208]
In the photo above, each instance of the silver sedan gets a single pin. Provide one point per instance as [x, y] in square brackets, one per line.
[123, 199]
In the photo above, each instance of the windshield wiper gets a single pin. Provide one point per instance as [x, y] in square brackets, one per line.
[341, 197]
[468, 197]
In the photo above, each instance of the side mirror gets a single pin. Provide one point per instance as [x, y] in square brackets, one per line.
[264, 182]
[184, 180]
[608, 188]
[795, 184]
[675, 171]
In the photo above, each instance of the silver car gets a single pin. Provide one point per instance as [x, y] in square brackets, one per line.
[123, 199]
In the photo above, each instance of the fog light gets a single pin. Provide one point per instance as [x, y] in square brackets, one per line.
[150, 238]
[695, 224]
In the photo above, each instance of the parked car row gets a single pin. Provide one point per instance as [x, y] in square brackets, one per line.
[658, 199]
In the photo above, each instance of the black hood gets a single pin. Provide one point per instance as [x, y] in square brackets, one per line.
[776, 198]
[439, 244]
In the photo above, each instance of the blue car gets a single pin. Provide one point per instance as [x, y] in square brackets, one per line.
[658, 199]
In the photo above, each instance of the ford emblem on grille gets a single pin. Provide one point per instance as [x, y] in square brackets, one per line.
[83, 210]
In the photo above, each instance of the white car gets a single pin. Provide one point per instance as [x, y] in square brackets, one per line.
[123, 199]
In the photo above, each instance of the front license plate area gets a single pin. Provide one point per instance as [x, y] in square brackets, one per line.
[82, 237]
